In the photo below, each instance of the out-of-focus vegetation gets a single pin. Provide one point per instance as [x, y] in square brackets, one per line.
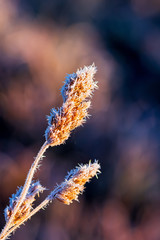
[41, 41]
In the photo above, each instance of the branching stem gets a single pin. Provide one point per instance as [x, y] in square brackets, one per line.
[34, 211]
[25, 190]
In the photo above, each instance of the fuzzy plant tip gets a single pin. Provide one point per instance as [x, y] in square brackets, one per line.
[76, 93]
[34, 190]
[74, 182]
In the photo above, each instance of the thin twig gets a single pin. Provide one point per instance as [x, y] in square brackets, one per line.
[34, 211]
[41, 206]
[25, 188]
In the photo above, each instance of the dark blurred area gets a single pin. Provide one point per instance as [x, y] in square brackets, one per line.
[41, 41]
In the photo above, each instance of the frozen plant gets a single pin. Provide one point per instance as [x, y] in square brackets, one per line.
[76, 92]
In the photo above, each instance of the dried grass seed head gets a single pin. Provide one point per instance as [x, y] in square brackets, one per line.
[77, 90]
[74, 183]
[34, 190]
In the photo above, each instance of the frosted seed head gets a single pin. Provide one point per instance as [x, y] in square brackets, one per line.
[26, 207]
[77, 90]
[74, 182]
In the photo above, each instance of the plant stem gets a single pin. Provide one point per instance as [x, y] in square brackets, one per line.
[34, 211]
[42, 205]
[25, 189]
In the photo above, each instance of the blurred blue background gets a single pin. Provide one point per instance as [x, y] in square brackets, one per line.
[41, 41]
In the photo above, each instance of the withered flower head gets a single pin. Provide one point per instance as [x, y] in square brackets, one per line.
[26, 207]
[77, 90]
[74, 183]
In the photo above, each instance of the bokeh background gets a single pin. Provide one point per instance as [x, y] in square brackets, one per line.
[41, 41]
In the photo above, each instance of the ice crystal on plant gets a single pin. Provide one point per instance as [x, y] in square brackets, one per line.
[35, 189]
[77, 90]
[74, 182]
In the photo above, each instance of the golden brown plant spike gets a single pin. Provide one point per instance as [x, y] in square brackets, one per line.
[77, 90]
[74, 182]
